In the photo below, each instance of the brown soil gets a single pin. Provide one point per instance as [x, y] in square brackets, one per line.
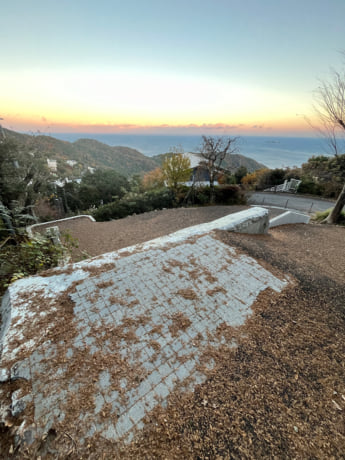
[281, 392]
[97, 238]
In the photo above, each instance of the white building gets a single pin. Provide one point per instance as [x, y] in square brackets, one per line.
[52, 165]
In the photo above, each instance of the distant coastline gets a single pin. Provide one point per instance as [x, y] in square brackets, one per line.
[275, 152]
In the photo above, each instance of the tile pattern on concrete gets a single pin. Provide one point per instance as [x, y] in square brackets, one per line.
[141, 329]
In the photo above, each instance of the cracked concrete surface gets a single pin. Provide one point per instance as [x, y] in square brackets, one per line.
[104, 341]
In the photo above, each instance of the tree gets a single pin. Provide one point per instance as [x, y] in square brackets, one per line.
[240, 173]
[176, 169]
[102, 187]
[214, 150]
[153, 179]
[23, 174]
[330, 110]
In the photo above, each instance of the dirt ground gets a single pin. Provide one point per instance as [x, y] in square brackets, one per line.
[281, 392]
[95, 238]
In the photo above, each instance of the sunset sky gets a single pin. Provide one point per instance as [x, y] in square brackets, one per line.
[179, 67]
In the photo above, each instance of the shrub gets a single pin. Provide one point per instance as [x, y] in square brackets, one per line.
[320, 216]
[230, 194]
[165, 198]
[202, 195]
[136, 203]
[309, 186]
[21, 257]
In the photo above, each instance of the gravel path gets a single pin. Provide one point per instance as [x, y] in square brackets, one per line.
[97, 238]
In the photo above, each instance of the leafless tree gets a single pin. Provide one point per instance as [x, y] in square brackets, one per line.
[330, 110]
[214, 151]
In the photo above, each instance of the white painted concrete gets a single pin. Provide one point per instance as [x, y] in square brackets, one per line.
[289, 217]
[66, 219]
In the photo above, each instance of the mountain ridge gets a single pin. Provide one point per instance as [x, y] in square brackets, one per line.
[92, 153]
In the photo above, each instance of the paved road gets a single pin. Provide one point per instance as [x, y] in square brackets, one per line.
[285, 200]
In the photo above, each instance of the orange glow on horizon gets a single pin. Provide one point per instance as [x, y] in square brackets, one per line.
[75, 123]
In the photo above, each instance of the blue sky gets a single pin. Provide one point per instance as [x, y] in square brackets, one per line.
[151, 66]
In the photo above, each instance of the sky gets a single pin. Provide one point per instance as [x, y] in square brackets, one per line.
[237, 67]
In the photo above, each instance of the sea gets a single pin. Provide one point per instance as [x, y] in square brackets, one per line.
[273, 152]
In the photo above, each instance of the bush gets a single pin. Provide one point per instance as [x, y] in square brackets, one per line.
[202, 195]
[331, 189]
[224, 194]
[320, 216]
[22, 257]
[137, 203]
[230, 194]
[309, 186]
[165, 198]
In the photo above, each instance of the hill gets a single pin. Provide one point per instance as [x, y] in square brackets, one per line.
[232, 162]
[95, 154]
[89, 152]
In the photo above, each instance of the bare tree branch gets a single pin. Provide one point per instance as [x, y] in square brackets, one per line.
[214, 151]
[330, 110]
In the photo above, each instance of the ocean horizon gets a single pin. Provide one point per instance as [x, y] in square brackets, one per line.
[273, 152]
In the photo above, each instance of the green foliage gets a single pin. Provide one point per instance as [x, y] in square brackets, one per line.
[14, 219]
[323, 175]
[106, 184]
[240, 173]
[165, 198]
[230, 195]
[95, 189]
[176, 169]
[224, 194]
[87, 152]
[23, 174]
[226, 177]
[21, 257]
[310, 187]
[270, 177]
[320, 216]
[136, 204]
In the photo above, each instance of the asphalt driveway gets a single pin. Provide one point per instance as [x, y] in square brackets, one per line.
[286, 200]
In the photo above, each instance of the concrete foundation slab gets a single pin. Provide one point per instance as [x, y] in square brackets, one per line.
[101, 343]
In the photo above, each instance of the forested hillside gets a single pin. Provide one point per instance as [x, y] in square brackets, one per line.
[89, 152]
[124, 160]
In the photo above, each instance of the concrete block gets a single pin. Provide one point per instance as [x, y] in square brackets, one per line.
[136, 412]
[182, 372]
[289, 217]
[161, 391]
[124, 424]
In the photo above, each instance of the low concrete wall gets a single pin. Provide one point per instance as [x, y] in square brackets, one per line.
[254, 220]
[66, 219]
[289, 217]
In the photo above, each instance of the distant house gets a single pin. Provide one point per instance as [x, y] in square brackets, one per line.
[52, 165]
[200, 175]
[71, 163]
